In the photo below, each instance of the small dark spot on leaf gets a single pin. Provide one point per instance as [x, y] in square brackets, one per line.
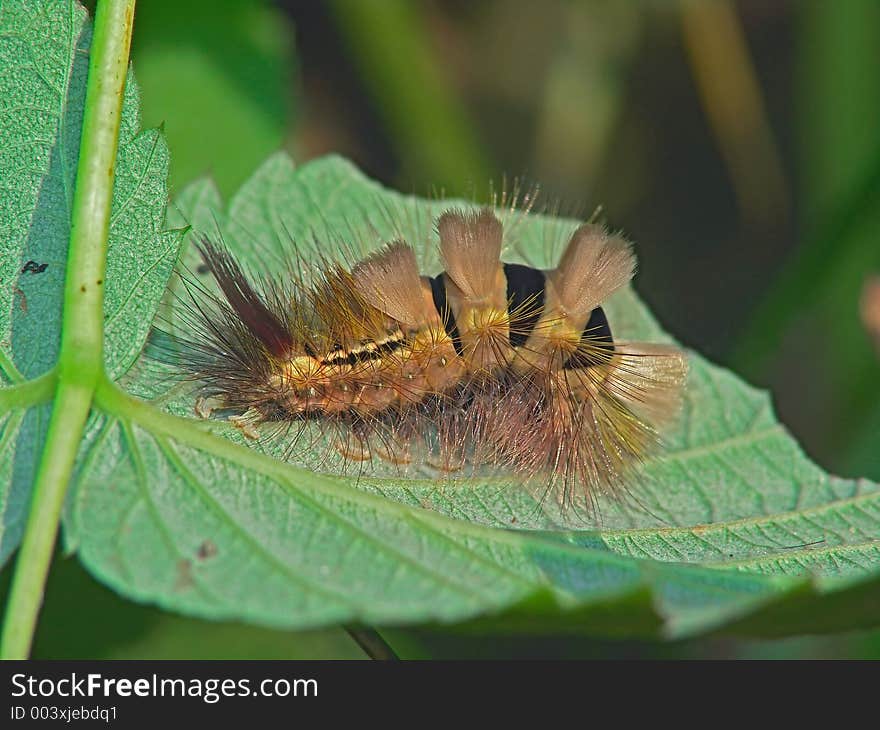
[513, 520]
[184, 576]
[206, 550]
[33, 267]
[82, 288]
[202, 269]
[99, 282]
[22, 300]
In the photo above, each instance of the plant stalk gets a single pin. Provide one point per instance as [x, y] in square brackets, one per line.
[429, 123]
[80, 362]
[371, 643]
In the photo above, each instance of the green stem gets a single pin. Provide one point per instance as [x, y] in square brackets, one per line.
[80, 362]
[68, 417]
[28, 393]
[8, 367]
[810, 272]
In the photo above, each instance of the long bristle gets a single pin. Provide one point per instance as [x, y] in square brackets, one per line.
[593, 267]
[470, 244]
[266, 326]
[390, 281]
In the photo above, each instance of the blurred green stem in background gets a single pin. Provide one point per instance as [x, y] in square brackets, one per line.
[218, 74]
[732, 100]
[838, 103]
[583, 93]
[430, 128]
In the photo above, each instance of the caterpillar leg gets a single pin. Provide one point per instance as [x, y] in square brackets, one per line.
[393, 455]
[246, 425]
[445, 466]
[353, 448]
[205, 406]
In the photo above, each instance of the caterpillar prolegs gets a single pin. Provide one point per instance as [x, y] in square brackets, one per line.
[486, 364]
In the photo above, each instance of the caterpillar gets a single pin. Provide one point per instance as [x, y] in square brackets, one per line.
[487, 364]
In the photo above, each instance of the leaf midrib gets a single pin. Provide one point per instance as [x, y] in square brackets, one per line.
[117, 403]
[298, 578]
[40, 390]
[181, 429]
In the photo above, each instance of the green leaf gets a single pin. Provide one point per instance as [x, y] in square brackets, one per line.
[43, 65]
[732, 527]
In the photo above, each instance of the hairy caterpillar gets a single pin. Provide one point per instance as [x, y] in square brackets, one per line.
[487, 364]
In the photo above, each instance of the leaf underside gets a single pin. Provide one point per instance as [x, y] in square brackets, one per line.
[206, 527]
[731, 527]
[43, 66]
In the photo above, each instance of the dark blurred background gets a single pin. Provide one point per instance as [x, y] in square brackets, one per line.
[736, 142]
